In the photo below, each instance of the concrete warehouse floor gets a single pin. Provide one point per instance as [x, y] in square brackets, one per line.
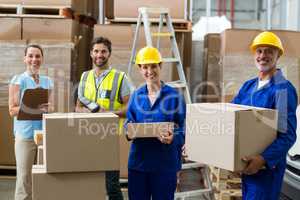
[7, 188]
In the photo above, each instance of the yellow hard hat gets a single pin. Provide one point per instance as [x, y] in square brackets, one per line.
[148, 55]
[269, 39]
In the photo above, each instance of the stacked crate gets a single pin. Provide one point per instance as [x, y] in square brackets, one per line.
[76, 150]
[63, 29]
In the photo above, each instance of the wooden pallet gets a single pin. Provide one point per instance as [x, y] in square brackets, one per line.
[21, 11]
[227, 185]
[229, 195]
[35, 11]
[179, 25]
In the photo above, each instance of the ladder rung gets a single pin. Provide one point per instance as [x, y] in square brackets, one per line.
[177, 84]
[170, 60]
[153, 10]
[162, 34]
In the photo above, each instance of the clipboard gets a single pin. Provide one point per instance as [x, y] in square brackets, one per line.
[32, 98]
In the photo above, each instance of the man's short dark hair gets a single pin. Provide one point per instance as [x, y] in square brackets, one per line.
[34, 46]
[101, 40]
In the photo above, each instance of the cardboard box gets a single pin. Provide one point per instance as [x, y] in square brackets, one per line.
[229, 39]
[75, 186]
[220, 134]
[50, 29]
[245, 37]
[10, 65]
[40, 158]
[178, 9]
[148, 130]
[81, 142]
[10, 2]
[7, 153]
[211, 68]
[79, 6]
[11, 28]
[84, 58]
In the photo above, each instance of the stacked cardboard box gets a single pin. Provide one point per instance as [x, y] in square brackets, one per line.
[58, 62]
[233, 129]
[211, 70]
[66, 56]
[77, 148]
[11, 28]
[82, 7]
[238, 64]
[10, 2]
[233, 64]
[179, 9]
[66, 53]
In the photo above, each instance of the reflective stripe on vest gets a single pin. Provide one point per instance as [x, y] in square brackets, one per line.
[106, 94]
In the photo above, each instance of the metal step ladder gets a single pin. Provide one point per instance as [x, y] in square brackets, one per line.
[181, 84]
[144, 12]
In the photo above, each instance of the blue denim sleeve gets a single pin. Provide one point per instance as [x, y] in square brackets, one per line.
[286, 104]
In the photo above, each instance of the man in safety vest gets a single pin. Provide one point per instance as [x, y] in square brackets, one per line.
[263, 175]
[104, 89]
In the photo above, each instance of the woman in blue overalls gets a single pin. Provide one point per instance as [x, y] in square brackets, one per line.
[154, 162]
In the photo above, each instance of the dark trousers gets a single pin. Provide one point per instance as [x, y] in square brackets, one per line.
[147, 185]
[113, 187]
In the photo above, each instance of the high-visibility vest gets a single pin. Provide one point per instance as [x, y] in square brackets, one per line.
[107, 93]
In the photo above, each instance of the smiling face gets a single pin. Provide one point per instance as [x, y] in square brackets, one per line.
[266, 58]
[150, 72]
[100, 55]
[33, 59]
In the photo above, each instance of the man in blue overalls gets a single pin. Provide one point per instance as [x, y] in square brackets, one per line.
[262, 177]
